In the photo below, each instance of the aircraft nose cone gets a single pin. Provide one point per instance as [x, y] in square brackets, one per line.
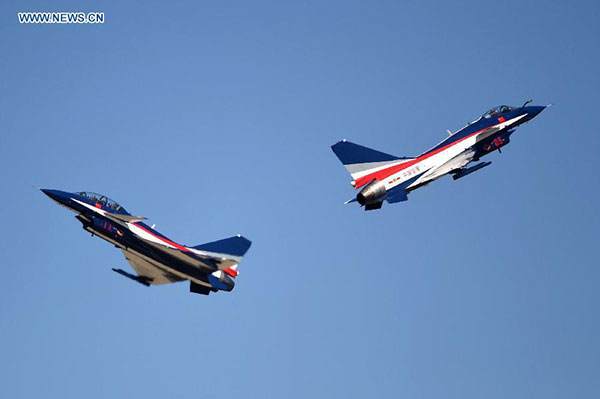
[56, 195]
[50, 193]
[533, 111]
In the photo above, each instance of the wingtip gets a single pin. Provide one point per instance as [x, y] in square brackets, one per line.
[245, 239]
[338, 143]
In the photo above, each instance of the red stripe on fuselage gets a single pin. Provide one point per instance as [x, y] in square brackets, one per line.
[385, 173]
[231, 272]
[174, 244]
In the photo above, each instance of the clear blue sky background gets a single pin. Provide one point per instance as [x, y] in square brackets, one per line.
[214, 119]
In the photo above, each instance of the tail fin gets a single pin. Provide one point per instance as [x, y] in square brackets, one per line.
[232, 248]
[360, 161]
[225, 254]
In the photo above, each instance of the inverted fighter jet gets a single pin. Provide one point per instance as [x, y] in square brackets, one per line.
[382, 176]
[155, 258]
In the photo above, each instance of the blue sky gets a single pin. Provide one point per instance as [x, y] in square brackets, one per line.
[213, 119]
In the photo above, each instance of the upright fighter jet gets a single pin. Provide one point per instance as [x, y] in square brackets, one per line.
[382, 176]
[155, 258]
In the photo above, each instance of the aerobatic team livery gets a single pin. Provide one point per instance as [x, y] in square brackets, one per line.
[155, 258]
[381, 176]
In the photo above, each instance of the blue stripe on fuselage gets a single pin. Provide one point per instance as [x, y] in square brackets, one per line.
[205, 260]
[480, 124]
[150, 229]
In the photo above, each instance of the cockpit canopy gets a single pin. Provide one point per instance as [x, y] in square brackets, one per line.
[498, 111]
[102, 200]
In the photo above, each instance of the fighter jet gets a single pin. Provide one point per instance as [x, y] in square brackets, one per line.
[155, 258]
[382, 176]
